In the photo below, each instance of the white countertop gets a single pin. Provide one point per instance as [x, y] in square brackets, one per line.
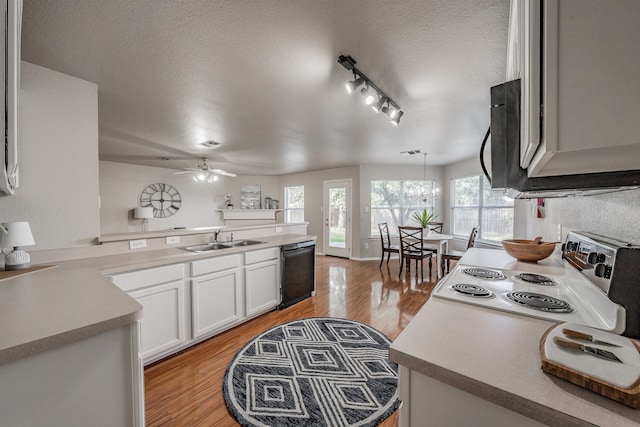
[75, 300]
[495, 356]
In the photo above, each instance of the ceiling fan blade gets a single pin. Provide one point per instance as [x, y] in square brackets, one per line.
[178, 173]
[222, 172]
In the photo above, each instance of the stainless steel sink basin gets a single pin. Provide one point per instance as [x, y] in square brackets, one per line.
[205, 247]
[242, 243]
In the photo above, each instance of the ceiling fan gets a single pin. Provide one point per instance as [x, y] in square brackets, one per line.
[203, 172]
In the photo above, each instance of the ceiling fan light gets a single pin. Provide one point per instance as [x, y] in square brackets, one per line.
[396, 120]
[195, 178]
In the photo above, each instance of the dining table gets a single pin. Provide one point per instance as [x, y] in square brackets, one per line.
[442, 242]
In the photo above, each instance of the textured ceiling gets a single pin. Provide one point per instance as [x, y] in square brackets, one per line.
[262, 77]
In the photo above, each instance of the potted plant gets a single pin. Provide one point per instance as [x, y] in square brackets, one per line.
[424, 217]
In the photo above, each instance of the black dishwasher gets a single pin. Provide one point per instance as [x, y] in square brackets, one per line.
[298, 263]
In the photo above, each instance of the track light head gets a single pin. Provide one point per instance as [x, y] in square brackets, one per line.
[367, 96]
[390, 111]
[396, 120]
[379, 105]
[353, 85]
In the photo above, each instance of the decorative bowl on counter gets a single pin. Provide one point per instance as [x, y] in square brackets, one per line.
[528, 250]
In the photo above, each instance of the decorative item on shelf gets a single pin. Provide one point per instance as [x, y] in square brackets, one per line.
[144, 214]
[227, 201]
[267, 203]
[17, 234]
[163, 198]
[250, 197]
[383, 103]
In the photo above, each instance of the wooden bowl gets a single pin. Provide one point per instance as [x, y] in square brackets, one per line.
[528, 250]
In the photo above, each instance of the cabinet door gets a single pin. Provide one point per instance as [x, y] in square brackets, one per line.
[216, 301]
[163, 323]
[262, 284]
[590, 88]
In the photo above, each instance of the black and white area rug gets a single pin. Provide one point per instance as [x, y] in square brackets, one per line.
[313, 372]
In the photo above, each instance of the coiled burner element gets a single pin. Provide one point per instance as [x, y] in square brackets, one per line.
[471, 290]
[536, 279]
[483, 273]
[540, 302]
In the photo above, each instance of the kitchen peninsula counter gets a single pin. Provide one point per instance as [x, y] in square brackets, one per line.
[48, 308]
[495, 356]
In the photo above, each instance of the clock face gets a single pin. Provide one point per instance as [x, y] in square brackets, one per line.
[163, 198]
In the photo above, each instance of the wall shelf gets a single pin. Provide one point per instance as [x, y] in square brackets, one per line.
[249, 214]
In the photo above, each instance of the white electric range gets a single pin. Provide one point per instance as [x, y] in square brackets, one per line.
[549, 290]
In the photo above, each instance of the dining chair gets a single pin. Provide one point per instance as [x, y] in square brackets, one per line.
[447, 257]
[435, 227]
[411, 248]
[385, 241]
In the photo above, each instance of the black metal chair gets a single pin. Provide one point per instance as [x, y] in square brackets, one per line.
[447, 257]
[411, 248]
[385, 241]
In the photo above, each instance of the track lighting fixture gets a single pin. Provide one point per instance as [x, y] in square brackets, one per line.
[392, 109]
[378, 106]
[353, 85]
[367, 96]
[396, 119]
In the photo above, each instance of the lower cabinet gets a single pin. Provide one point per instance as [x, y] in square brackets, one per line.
[262, 280]
[223, 292]
[161, 292]
[216, 294]
[163, 321]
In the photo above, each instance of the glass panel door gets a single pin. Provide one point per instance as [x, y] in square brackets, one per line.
[337, 212]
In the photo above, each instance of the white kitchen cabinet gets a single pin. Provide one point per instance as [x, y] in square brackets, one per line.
[216, 294]
[579, 84]
[425, 398]
[161, 292]
[262, 280]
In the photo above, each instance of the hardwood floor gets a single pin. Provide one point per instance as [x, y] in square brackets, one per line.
[186, 389]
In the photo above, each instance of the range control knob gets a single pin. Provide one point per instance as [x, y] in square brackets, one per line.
[570, 247]
[595, 258]
[603, 270]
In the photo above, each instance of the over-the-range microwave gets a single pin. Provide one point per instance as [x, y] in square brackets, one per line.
[506, 172]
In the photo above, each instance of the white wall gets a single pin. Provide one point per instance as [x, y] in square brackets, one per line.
[313, 183]
[121, 185]
[58, 157]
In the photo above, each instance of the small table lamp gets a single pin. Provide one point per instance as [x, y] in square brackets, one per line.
[144, 214]
[17, 234]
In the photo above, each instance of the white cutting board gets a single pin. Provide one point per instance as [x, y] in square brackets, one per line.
[623, 375]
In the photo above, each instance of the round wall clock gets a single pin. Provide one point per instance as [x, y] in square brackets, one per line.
[163, 198]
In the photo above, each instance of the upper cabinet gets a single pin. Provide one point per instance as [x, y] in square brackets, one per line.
[10, 72]
[580, 86]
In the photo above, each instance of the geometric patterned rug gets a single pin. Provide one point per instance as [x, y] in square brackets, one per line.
[313, 372]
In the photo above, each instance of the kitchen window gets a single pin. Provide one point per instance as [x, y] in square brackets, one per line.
[294, 204]
[394, 202]
[473, 202]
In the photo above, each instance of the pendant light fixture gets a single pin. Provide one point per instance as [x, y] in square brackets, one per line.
[384, 103]
[425, 195]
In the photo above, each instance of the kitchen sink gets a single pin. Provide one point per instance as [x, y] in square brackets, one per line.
[206, 247]
[242, 243]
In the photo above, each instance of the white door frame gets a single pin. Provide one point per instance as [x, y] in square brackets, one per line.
[329, 250]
